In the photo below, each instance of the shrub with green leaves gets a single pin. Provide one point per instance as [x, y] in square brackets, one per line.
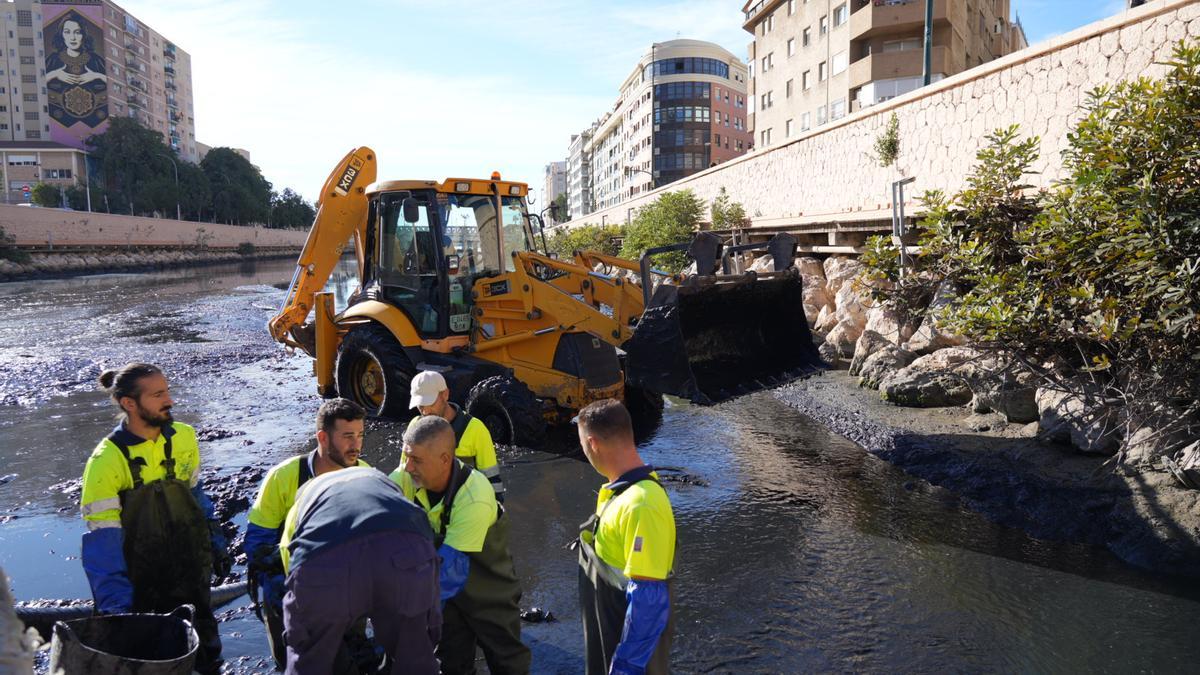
[726, 213]
[603, 238]
[8, 251]
[673, 218]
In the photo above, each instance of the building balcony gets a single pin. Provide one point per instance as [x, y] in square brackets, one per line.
[881, 18]
[170, 85]
[888, 65]
[131, 46]
[169, 69]
[171, 103]
[169, 54]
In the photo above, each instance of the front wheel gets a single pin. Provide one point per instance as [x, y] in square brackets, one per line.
[374, 372]
[510, 411]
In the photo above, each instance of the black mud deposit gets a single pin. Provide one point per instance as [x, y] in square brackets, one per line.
[1099, 512]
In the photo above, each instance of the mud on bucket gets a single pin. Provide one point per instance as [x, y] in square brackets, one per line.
[125, 644]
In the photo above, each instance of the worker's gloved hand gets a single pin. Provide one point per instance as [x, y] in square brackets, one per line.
[273, 590]
[222, 560]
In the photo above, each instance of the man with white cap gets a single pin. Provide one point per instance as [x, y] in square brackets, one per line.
[431, 396]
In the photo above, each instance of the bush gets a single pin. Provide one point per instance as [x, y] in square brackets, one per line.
[246, 248]
[673, 218]
[1100, 275]
[8, 251]
[603, 238]
[726, 214]
[45, 194]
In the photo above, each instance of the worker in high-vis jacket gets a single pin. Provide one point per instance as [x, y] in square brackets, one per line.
[151, 543]
[479, 586]
[626, 551]
[339, 435]
[354, 547]
[473, 441]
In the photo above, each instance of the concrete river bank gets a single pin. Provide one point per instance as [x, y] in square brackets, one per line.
[798, 551]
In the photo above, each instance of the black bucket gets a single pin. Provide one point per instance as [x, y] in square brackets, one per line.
[716, 338]
[126, 644]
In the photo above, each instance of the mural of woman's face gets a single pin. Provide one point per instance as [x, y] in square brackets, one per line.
[72, 34]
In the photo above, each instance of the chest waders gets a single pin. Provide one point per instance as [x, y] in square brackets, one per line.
[603, 603]
[168, 549]
[492, 594]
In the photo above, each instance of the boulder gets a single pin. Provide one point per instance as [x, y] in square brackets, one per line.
[810, 267]
[868, 343]
[831, 356]
[839, 270]
[928, 338]
[763, 263]
[1188, 460]
[930, 381]
[826, 319]
[843, 338]
[888, 323]
[851, 304]
[1001, 385]
[816, 297]
[881, 364]
[1155, 436]
[1076, 418]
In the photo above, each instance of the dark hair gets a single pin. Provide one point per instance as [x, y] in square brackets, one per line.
[338, 409]
[429, 428]
[123, 383]
[60, 44]
[606, 419]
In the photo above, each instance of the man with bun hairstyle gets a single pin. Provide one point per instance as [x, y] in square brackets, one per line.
[151, 543]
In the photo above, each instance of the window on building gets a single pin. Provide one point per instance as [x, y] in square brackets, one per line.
[806, 80]
[791, 46]
[824, 23]
[806, 37]
[805, 121]
[837, 109]
[787, 129]
[27, 61]
[902, 45]
[771, 22]
[788, 89]
[24, 18]
[822, 115]
[25, 42]
[822, 71]
[839, 14]
[29, 97]
[33, 133]
[840, 62]
[791, 7]
[765, 136]
[22, 160]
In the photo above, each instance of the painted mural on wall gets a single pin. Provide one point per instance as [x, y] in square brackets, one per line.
[76, 79]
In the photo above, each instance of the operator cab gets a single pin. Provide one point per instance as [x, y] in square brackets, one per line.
[427, 243]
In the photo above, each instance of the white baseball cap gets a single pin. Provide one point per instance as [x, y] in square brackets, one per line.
[425, 388]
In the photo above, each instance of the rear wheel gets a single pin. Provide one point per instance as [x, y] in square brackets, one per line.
[374, 372]
[510, 411]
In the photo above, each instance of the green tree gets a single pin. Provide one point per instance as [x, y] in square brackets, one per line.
[290, 210]
[727, 214]
[603, 238]
[562, 209]
[673, 218]
[10, 252]
[45, 194]
[240, 194]
[133, 168]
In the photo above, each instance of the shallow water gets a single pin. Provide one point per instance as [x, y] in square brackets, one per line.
[797, 551]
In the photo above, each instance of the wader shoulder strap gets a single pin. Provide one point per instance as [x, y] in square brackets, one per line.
[595, 520]
[458, 479]
[306, 469]
[135, 465]
[459, 425]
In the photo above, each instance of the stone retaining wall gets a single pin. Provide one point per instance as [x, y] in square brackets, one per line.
[57, 264]
[827, 179]
[41, 227]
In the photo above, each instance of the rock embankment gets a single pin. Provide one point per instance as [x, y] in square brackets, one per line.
[47, 265]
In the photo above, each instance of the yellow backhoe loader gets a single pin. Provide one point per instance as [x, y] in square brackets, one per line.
[451, 279]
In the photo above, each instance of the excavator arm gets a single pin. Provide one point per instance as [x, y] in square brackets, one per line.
[341, 214]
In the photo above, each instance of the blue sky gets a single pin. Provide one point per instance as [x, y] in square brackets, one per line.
[440, 89]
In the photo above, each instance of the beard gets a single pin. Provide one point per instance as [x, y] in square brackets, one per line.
[160, 419]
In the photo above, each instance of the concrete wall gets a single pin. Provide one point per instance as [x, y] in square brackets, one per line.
[827, 180]
[40, 226]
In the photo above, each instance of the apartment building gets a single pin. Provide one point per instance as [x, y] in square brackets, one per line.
[682, 108]
[813, 61]
[555, 184]
[579, 174]
[68, 66]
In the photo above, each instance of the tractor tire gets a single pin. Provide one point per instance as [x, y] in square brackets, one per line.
[373, 371]
[510, 411]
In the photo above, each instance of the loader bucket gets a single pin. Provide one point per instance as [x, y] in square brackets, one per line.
[714, 338]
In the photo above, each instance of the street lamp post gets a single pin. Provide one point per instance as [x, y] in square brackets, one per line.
[928, 61]
[178, 215]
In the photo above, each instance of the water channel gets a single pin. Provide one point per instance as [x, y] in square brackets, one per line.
[797, 551]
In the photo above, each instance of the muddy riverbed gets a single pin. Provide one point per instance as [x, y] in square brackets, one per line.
[798, 551]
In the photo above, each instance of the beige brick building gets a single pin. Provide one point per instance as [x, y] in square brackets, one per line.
[814, 61]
